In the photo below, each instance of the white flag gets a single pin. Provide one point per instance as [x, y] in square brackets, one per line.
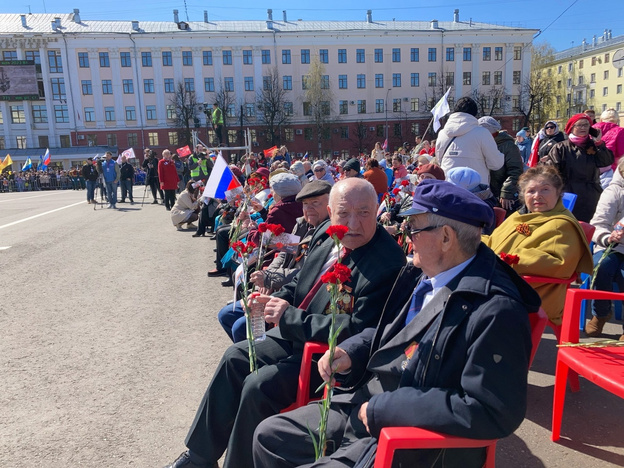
[440, 110]
[129, 153]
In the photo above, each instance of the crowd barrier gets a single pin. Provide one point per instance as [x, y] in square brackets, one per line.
[21, 184]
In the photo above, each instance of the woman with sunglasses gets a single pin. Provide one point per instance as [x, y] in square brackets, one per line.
[579, 159]
[547, 137]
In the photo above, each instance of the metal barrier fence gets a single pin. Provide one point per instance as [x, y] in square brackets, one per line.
[35, 184]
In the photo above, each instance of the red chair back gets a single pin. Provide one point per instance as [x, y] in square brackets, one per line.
[538, 323]
[499, 215]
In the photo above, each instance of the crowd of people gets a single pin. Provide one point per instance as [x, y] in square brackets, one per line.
[438, 238]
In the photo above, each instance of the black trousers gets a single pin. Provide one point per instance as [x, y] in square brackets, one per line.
[236, 400]
[170, 198]
[155, 188]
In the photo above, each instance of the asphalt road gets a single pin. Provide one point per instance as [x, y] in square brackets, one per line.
[109, 338]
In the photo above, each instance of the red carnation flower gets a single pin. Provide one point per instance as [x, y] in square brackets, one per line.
[339, 273]
[237, 246]
[262, 227]
[249, 247]
[337, 231]
[396, 191]
[277, 229]
[405, 183]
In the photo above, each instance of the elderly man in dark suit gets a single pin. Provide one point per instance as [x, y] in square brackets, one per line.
[450, 352]
[237, 401]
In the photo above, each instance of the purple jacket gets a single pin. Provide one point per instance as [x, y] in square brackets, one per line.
[284, 212]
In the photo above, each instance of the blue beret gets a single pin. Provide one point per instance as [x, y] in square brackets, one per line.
[450, 201]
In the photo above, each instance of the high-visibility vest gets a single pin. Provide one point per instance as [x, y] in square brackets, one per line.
[201, 164]
[217, 117]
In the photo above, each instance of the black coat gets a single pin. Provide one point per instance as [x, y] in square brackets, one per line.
[126, 172]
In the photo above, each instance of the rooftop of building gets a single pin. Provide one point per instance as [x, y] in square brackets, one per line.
[72, 23]
[596, 45]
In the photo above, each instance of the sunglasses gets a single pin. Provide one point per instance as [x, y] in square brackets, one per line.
[549, 127]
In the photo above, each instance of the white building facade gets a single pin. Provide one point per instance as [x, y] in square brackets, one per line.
[112, 82]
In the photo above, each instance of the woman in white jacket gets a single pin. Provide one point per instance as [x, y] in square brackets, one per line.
[463, 143]
[186, 207]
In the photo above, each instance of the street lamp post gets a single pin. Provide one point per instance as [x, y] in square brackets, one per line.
[386, 126]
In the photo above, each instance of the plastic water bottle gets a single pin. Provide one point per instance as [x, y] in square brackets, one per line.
[258, 324]
[619, 226]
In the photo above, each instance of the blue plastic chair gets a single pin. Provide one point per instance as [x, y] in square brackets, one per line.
[568, 199]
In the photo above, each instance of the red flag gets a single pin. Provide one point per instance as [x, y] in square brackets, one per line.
[534, 157]
[385, 145]
[269, 153]
[184, 151]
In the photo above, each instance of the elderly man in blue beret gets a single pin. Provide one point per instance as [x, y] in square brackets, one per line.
[450, 353]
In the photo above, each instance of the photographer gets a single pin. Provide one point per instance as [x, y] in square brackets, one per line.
[150, 166]
[200, 165]
[186, 207]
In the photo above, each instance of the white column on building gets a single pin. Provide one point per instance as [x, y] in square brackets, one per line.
[508, 79]
[47, 90]
[6, 118]
[526, 70]
[200, 89]
[159, 87]
[176, 54]
[476, 60]
[217, 63]
[459, 71]
[237, 60]
[96, 86]
[69, 65]
[120, 111]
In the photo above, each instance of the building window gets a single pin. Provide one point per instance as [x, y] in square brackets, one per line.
[360, 56]
[170, 109]
[516, 77]
[289, 134]
[414, 54]
[9, 55]
[380, 130]
[146, 59]
[581, 80]
[83, 59]
[618, 106]
[344, 132]
[167, 58]
[229, 84]
[560, 69]
[305, 55]
[111, 139]
[498, 77]
[305, 82]
[343, 107]
[515, 103]
[606, 58]
[581, 62]
[517, 53]
[173, 138]
[397, 129]
[324, 56]
[606, 75]
[342, 81]
[40, 114]
[250, 110]
[342, 55]
[620, 74]
[58, 88]
[307, 133]
[485, 78]
[592, 93]
[498, 53]
[286, 56]
[187, 58]
[396, 80]
[487, 54]
[128, 87]
[467, 79]
[89, 114]
[414, 104]
[104, 60]
[605, 91]
[54, 61]
[249, 86]
[107, 87]
[618, 89]
[307, 109]
[467, 54]
[431, 79]
[379, 106]
[449, 79]
[130, 113]
[266, 57]
[17, 114]
[450, 54]
[570, 66]
[227, 57]
[247, 57]
[207, 57]
[432, 54]
[325, 107]
[266, 83]
[148, 86]
[378, 55]
[361, 106]
[169, 85]
[379, 80]
[361, 81]
[287, 82]
[152, 138]
[2, 143]
[126, 61]
[415, 80]
[396, 55]
[592, 78]
[288, 108]
[20, 142]
[133, 139]
[109, 114]
[396, 105]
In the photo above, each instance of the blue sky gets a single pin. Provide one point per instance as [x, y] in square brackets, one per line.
[583, 20]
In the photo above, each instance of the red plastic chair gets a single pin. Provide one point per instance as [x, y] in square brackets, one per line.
[305, 371]
[499, 215]
[602, 366]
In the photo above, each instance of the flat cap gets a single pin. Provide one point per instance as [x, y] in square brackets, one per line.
[450, 201]
[315, 188]
[433, 169]
[285, 184]
[489, 123]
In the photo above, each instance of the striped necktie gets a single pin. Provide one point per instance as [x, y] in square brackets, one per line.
[418, 297]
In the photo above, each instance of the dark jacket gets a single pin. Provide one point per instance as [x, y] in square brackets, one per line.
[127, 171]
[455, 382]
[504, 181]
[547, 143]
[369, 284]
[284, 212]
[580, 170]
[150, 166]
[89, 172]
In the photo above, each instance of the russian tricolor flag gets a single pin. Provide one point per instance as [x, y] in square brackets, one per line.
[222, 183]
[46, 158]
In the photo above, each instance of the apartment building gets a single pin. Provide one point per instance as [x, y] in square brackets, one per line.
[114, 83]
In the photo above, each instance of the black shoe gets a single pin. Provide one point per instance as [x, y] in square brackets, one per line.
[122, 201]
[227, 283]
[213, 237]
[168, 209]
[198, 234]
[217, 272]
[155, 202]
[184, 461]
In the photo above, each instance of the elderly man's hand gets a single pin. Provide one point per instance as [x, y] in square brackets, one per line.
[362, 416]
[257, 278]
[342, 362]
[385, 217]
[274, 308]
[392, 229]
[616, 236]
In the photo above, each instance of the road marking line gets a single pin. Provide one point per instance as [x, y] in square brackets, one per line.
[36, 196]
[41, 214]
[5, 248]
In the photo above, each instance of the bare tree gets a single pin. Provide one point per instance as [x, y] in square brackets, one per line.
[317, 101]
[226, 100]
[185, 106]
[535, 93]
[489, 102]
[271, 101]
[361, 137]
